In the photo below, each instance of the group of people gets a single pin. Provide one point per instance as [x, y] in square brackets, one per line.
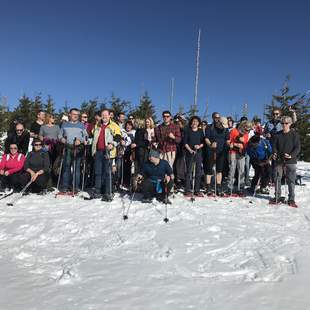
[116, 153]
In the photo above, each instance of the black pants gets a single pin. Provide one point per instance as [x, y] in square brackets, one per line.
[149, 189]
[38, 185]
[10, 181]
[262, 172]
[191, 161]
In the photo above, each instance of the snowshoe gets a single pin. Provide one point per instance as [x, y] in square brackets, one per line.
[198, 194]
[146, 200]
[107, 198]
[274, 201]
[292, 204]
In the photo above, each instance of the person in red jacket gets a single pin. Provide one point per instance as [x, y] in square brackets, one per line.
[238, 141]
[10, 166]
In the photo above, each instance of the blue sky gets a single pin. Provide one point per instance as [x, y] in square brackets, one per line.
[78, 50]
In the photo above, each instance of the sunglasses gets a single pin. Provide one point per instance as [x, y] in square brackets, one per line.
[131, 118]
[19, 130]
[276, 114]
[285, 123]
[37, 144]
[167, 116]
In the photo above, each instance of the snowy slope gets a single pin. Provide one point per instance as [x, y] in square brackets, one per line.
[67, 253]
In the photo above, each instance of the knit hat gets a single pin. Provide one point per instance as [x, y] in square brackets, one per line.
[154, 153]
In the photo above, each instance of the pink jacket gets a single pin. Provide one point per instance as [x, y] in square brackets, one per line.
[11, 163]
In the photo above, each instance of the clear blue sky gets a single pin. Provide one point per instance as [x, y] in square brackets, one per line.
[77, 50]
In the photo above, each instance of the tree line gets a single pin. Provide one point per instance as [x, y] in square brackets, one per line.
[27, 109]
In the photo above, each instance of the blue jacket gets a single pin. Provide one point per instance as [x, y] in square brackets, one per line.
[260, 151]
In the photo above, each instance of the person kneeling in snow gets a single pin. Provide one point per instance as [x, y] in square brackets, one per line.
[37, 166]
[156, 179]
[259, 150]
[10, 165]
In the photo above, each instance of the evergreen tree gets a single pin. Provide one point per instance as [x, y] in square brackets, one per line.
[4, 115]
[49, 106]
[300, 103]
[145, 108]
[90, 107]
[117, 105]
[193, 111]
[36, 106]
[23, 112]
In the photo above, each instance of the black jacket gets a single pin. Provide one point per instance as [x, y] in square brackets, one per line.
[286, 143]
[37, 161]
[22, 142]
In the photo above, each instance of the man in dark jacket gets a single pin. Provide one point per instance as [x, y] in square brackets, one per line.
[156, 179]
[285, 149]
[20, 137]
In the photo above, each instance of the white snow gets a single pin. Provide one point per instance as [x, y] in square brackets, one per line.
[67, 253]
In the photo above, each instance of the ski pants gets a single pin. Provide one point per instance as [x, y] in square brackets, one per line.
[103, 173]
[67, 177]
[38, 185]
[11, 181]
[236, 161]
[149, 188]
[289, 170]
[262, 172]
[191, 162]
[170, 157]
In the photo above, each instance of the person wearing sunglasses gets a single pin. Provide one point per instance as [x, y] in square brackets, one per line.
[73, 136]
[168, 135]
[36, 168]
[10, 165]
[20, 136]
[238, 140]
[285, 149]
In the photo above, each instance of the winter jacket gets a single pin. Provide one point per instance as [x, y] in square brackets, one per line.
[12, 163]
[37, 161]
[112, 136]
[259, 152]
[159, 171]
[22, 142]
[166, 144]
[218, 135]
[286, 143]
[234, 137]
[273, 127]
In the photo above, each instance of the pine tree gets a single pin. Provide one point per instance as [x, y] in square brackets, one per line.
[301, 104]
[193, 111]
[117, 105]
[36, 106]
[49, 106]
[4, 115]
[23, 112]
[90, 107]
[145, 108]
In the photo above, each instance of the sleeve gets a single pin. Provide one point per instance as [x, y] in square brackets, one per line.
[296, 149]
[84, 134]
[25, 144]
[202, 137]
[168, 169]
[177, 134]
[275, 145]
[26, 164]
[19, 165]
[186, 137]
[158, 135]
[3, 161]
[117, 135]
[46, 162]
[61, 133]
[41, 133]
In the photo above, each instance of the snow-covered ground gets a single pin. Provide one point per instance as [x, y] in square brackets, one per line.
[67, 253]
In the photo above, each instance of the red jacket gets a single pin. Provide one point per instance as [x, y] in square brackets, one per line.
[234, 136]
[12, 163]
[166, 144]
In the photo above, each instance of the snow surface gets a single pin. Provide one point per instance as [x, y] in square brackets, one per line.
[67, 253]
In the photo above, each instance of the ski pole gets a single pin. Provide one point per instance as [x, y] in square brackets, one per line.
[215, 174]
[193, 168]
[110, 174]
[125, 213]
[84, 165]
[61, 165]
[74, 167]
[166, 220]
[15, 199]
